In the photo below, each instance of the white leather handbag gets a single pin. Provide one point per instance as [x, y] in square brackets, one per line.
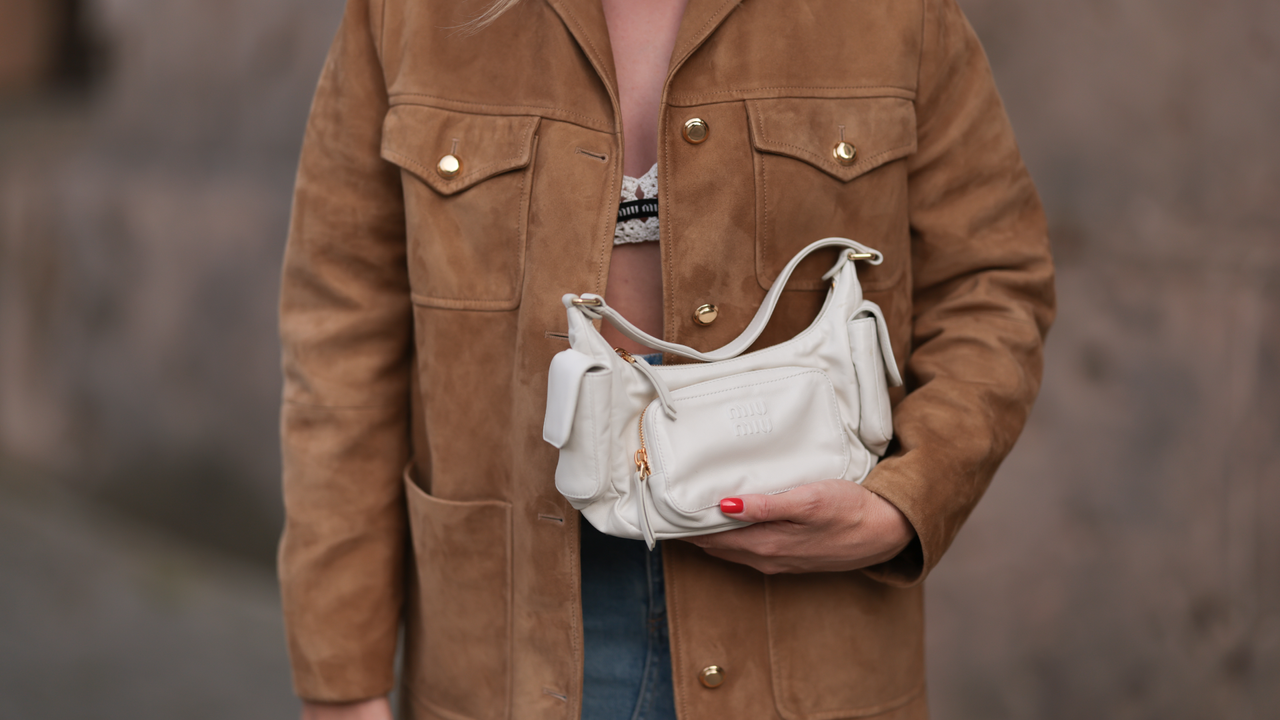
[647, 452]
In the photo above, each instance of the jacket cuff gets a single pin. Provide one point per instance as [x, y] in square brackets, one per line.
[904, 570]
[912, 565]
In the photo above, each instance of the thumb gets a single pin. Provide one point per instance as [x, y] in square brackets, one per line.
[762, 508]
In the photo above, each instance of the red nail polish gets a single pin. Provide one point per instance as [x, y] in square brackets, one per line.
[732, 506]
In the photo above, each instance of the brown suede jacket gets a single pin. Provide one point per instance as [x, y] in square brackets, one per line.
[421, 309]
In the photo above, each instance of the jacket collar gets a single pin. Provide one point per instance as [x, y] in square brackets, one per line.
[701, 18]
[585, 20]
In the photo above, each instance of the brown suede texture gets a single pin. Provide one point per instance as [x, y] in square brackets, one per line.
[419, 316]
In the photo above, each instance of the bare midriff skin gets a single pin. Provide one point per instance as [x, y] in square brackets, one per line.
[828, 526]
[643, 34]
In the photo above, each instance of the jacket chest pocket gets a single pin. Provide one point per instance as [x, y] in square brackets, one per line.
[466, 195]
[825, 167]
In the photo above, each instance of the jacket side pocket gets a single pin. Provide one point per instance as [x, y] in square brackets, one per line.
[459, 633]
[843, 646]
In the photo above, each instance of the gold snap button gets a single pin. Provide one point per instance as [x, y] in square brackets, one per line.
[696, 130]
[449, 166]
[706, 314]
[844, 153]
[712, 676]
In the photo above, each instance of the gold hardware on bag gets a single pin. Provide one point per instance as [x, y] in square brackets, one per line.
[862, 256]
[587, 302]
[642, 455]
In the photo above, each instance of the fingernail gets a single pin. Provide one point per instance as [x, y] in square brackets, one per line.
[732, 506]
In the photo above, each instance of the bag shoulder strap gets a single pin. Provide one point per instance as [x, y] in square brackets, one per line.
[594, 306]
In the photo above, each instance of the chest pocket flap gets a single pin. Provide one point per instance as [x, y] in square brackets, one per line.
[825, 167]
[843, 138]
[420, 138]
[466, 194]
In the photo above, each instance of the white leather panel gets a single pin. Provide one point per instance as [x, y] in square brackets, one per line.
[786, 419]
[563, 383]
[875, 421]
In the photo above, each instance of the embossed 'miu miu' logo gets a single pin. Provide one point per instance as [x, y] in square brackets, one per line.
[748, 419]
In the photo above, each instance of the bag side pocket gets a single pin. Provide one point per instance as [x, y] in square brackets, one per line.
[577, 422]
[875, 372]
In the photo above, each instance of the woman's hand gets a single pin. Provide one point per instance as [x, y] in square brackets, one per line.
[376, 709]
[825, 526]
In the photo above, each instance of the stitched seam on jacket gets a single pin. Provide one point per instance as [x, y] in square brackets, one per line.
[509, 547]
[522, 216]
[444, 303]
[666, 222]
[747, 93]
[382, 34]
[821, 160]
[763, 257]
[607, 224]
[459, 183]
[924, 12]
[884, 707]
[511, 162]
[444, 103]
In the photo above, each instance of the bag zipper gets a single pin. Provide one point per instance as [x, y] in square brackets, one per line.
[642, 455]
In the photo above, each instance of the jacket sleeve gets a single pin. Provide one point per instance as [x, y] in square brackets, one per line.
[983, 299]
[346, 331]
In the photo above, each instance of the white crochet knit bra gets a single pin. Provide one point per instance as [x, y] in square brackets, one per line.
[638, 213]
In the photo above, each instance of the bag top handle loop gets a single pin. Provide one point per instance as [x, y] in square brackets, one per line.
[594, 306]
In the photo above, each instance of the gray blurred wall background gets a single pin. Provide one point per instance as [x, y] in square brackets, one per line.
[1125, 563]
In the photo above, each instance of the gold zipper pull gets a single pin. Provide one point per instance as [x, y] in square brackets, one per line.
[625, 355]
[642, 455]
[642, 464]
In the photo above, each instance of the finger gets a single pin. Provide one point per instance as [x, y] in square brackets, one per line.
[796, 505]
